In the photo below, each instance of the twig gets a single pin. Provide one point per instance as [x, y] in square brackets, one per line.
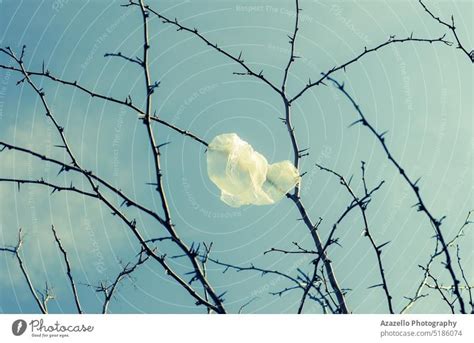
[68, 270]
[343, 308]
[437, 287]
[367, 233]
[135, 60]
[466, 283]
[292, 46]
[130, 223]
[366, 51]
[413, 185]
[418, 295]
[246, 304]
[16, 252]
[108, 290]
[145, 11]
[127, 201]
[127, 102]
[239, 60]
[56, 188]
[452, 27]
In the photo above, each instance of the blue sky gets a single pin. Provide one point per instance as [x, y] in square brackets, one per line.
[421, 93]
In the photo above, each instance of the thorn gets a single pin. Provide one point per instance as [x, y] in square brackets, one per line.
[354, 123]
[382, 245]
[350, 180]
[159, 146]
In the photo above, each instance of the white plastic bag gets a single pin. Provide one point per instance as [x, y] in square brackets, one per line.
[244, 176]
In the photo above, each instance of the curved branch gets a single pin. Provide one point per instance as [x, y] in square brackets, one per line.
[16, 252]
[377, 248]
[416, 190]
[68, 270]
[239, 60]
[391, 40]
[452, 27]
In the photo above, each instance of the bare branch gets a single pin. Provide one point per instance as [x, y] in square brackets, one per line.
[367, 233]
[68, 270]
[130, 223]
[452, 27]
[135, 60]
[145, 11]
[16, 252]
[439, 289]
[109, 290]
[418, 295]
[56, 188]
[467, 286]
[127, 102]
[239, 60]
[292, 46]
[391, 40]
[319, 248]
[436, 223]
[127, 201]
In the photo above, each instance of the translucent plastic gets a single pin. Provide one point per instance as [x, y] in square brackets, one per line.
[244, 176]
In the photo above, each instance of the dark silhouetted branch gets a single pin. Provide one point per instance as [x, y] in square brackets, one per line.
[452, 27]
[16, 252]
[68, 270]
[391, 40]
[109, 289]
[292, 46]
[135, 60]
[127, 102]
[145, 11]
[436, 223]
[239, 60]
[377, 248]
[439, 289]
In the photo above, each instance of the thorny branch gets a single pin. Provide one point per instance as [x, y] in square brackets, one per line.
[108, 289]
[424, 282]
[451, 27]
[98, 194]
[318, 282]
[159, 173]
[377, 247]
[127, 102]
[436, 223]
[16, 252]
[389, 41]
[301, 282]
[68, 270]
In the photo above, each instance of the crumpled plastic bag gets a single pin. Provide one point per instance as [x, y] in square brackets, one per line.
[244, 176]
